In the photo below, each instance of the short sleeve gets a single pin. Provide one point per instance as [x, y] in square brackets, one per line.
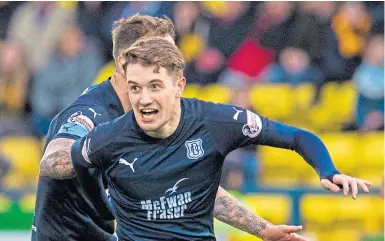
[94, 148]
[78, 121]
[231, 126]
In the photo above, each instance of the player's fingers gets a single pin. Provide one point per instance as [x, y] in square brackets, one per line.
[291, 229]
[296, 237]
[287, 237]
[353, 184]
[328, 185]
[367, 183]
[345, 184]
[291, 236]
[362, 185]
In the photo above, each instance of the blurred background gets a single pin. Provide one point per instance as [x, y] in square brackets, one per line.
[316, 65]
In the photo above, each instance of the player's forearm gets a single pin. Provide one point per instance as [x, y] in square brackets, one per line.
[228, 210]
[56, 162]
[314, 151]
[305, 143]
[91, 181]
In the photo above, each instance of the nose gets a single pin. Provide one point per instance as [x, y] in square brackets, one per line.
[145, 98]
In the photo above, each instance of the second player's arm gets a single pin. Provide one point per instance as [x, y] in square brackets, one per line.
[74, 123]
[228, 210]
[56, 162]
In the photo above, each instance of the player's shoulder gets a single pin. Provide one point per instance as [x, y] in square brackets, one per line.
[86, 112]
[94, 93]
[206, 110]
[124, 120]
[90, 114]
[116, 127]
[90, 104]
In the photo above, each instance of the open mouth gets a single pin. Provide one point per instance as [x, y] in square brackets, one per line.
[148, 114]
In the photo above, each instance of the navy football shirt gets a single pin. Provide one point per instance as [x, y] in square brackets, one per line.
[63, 211]
[164, 189]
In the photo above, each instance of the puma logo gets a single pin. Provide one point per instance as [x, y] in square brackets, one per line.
[131, 165]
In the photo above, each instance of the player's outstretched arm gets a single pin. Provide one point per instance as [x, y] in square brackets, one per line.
[228, 210]
[240, 127]
[56, 161]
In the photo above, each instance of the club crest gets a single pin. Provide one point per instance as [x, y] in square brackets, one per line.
[194, 149]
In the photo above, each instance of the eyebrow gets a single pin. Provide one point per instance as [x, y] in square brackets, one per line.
[152, 81]
[155, 80]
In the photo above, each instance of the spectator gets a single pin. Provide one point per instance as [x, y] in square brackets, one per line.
[113, 11]
[294, 67]
[90, 16]
[70, 69]
[369, 78]
[303, 28]
[6, 11]
[36, 26]
[251, 58]
[376, 9]
[276, 34]
[212, 27]
[344, 43]
[343, 47]
[312, 26]
[14, 78]
[5, 166]
[233, 176]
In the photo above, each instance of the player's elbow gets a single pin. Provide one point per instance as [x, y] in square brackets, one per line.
[56, 161]
[305, 140]
[45, 167]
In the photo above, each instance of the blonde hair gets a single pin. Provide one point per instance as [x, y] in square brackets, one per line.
[126, 31]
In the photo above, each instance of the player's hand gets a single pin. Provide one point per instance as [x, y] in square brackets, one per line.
[346, 182]
[282, 233]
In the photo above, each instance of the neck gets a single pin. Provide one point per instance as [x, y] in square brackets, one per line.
[170, 127]
[121, 88]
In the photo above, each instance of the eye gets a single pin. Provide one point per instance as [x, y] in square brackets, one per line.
[155, 86]
[134, 88]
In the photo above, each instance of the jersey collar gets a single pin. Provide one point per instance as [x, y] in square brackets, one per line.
[112, 98]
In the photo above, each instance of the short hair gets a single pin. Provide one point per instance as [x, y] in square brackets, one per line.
[126, 31]
[155, 51]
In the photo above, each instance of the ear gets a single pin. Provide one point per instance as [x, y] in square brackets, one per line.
[119, 64]
[181, 83]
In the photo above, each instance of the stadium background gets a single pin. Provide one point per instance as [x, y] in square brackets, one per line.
[317, 65]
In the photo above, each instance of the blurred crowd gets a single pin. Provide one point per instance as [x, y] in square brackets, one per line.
[51, 51]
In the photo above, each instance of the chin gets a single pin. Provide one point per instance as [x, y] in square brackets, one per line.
[149, 126]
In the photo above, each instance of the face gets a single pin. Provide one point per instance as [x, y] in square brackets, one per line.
[155, 98]
[375, 52]
[120, 80]
[71, 42]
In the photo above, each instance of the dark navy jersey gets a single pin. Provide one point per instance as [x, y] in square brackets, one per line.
[63, 211]
[165, 189]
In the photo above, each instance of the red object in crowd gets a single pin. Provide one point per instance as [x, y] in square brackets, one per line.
[250, 58]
